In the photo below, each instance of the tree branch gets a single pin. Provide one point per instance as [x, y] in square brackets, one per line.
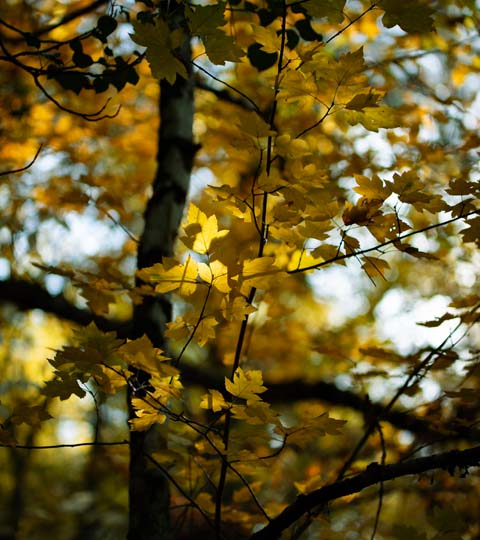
[85, 10]
[26, 296]
[373, 474]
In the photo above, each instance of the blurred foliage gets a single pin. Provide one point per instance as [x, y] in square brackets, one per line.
[334, 206]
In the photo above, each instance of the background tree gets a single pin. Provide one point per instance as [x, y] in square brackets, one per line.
[266, 348]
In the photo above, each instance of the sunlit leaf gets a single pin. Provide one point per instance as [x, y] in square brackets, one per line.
[246, 384]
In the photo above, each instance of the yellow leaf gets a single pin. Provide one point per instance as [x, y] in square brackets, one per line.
[411, 15]
[205, 330]
[375, 266]
[360, 101]
[204, 22]
[178, 329]
[145, 415]
[372, 188]
[246, 384]
[236, 309]
[215, 273]
[372, 118]
[32, 415]
[140, 353]
[180, 276]
[254, 126]
[312, 428]
[258, 273]
[267, 37]
[362, 212]
[214, 401]
[255, 413]
[201, 230]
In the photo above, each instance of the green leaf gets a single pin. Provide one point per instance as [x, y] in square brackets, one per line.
[411, 15]
[32, 415]
[361, 101]
[158, 40]
[332, 10]
[372, 118]
[204, 22]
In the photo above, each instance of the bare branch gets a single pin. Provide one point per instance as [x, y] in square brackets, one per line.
[13, 171]
[394, 241]
[372, 475]
[27, 295]
[73, 445]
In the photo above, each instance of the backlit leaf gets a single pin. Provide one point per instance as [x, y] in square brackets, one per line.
[246, 384]
[160, 44]
[214, 401]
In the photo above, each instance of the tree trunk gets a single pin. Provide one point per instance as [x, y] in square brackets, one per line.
[149, 490]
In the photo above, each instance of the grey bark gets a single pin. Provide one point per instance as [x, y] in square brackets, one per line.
[148, 489]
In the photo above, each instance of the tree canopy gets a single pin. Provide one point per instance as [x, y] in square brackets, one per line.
[239, 269]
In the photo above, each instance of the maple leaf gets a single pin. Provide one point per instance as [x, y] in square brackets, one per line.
[254, 126]
[201, 231]
[246, 384]
[146, 415]
[267, 37]
[172, 276]
[371, 118]
[97, 300]
[311, 428]
[372, 188]
[411, 15]
[375, 266]
[205, 330]
[160, 43]
[472, 233]
[361, 101]
[332, 10]
[255, 413]
[214, 401]
[204, 22]
[141, 354]
[63, 386]
[32, 415]
[258, 273]
[215, 273]
[362, 212]
[178, 329]
[236, 308]
[411, 190]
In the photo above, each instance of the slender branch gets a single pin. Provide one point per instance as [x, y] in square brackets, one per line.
[226, 96]
[89, 117]
[372, 475]
[180, 489]
[73, 445]
[412, 377]
[394, 241]
[236, 90]
[352, 21]
[13, 171]
[26, 295]
[85, 10]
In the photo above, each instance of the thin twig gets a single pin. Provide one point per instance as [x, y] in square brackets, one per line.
[13, 171]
